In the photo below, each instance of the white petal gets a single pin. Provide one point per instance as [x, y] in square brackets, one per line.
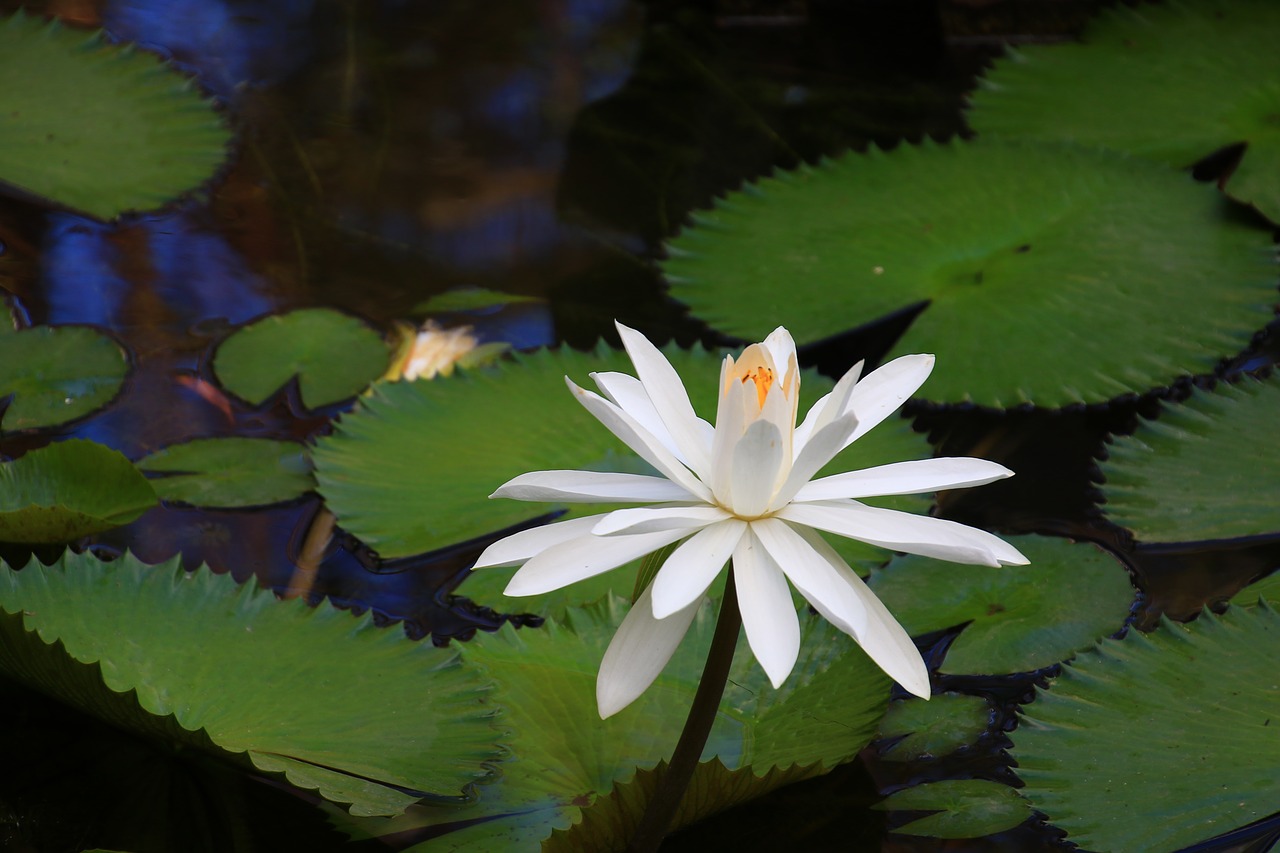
[652, 519]
[817, 452]
[811, 574]
[905, 478]
[757, 458]
[639, 652]
[519, 547]
[590, 487]
[782, 347]
[731, 423]
[880, 635]
[629, 395]
[769, 617]
[884, 390]
[582, 558]
[640, 440]
[904, 531]
[828, 408]
[666, 391]
[691, 568]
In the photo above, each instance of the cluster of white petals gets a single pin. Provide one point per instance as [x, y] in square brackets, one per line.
[743, 490]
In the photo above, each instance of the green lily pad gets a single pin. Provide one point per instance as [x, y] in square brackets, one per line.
[230, 472]
[1017, 618]
[411, 470]
[1192, 473]
[968, 808]
[565, 759]
[1174, 82]
[97, 127]
[1159, 740]
[278, 682]
[334, 355]
[470, 299]
[67, 490]
[1053, 275]
[1268, 588]
[933, 729]
[57, 374]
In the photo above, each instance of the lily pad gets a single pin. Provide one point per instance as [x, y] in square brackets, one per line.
[1192, 473]
[933, 729]
[471, 299]
[1052, 275]
[565, 759]
[57, 374]
[1268, 588]
[334, 355]
[276, 681]
[1016, 618]
[67, 490]
[97, 127]
[230, 472]
[1181, 81]
[411, 470]
[968, 808]
[1178, 726]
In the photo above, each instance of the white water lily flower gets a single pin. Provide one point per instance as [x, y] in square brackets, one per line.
[743, 489]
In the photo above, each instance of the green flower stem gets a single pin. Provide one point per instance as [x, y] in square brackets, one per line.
[697, 726]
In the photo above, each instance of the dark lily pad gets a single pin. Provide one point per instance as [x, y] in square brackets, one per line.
[565, 761]
[1053, 275]
[334, 355]
[968, 808]
[1192, 473]
[1177, 726]
[1173, 82]
[933, 729]
[57, 374]
[97, 127]
[470, 299]
[411, 470]
[67, 490]
[1268, 588]
[230, 472]
[277, 682]
[1016, 618]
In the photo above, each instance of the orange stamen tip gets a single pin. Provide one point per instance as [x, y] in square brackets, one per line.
[763, 377]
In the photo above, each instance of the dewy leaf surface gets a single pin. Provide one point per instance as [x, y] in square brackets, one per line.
[67, 490]
[56, 374]
[1177, 726]
[362, 714]
[565, 759]
[1053, 274]
[1018, 618]
[933, 729]
[411, 469]
[1192, 473]
[1171, 81]
[230, 472]
[97, 127]
[334, 356]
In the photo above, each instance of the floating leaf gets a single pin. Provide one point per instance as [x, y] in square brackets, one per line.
[1017, 618]
[1181, 80]
[968, 808]
[1053, 275]
[470, 299]
[230, 472]
[334, 356]
[1268, 588]
[411, 470]
[56, 374]
[67, 490]
[1178, 726]
[97, 127]
[276, 680]
[564, 758]
[947, 722]
[1193, 472]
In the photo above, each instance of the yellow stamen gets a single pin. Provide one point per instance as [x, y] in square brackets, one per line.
[763, 377]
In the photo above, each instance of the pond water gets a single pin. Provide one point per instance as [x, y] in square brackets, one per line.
[387, 152]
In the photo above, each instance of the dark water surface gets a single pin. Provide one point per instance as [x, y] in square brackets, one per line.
[389, 151]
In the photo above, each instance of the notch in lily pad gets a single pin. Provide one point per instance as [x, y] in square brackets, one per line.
[56, 374]
[96, 127]
[334, 356]
[230, 473]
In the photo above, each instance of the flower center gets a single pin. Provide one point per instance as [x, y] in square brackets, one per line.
[763, 377]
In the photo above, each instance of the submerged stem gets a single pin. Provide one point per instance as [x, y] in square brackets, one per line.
[675, 777]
